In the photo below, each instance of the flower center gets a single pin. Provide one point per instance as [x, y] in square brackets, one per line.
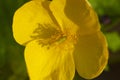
[47, 34]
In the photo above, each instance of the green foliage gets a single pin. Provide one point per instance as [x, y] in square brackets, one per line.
[2, 52]
[113, 41]
[109, 7]
[12, 64]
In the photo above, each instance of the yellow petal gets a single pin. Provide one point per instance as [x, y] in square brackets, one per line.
[28, 19]
[91, 55]
[66, 25]
[75, 13]
[49, 62]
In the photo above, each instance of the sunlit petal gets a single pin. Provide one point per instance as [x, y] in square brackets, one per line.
[28, 19]
[53, 62]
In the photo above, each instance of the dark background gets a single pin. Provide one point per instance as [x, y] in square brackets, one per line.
[12, 65]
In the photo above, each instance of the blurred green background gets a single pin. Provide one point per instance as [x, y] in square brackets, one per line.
[12, 65]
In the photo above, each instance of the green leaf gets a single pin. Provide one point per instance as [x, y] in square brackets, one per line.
[113, 39]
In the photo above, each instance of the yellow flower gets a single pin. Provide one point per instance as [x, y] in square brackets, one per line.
[60, 36]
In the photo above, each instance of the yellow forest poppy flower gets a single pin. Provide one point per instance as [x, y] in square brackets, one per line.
[60, 36]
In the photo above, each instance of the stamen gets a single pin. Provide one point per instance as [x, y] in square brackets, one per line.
[47, 34]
